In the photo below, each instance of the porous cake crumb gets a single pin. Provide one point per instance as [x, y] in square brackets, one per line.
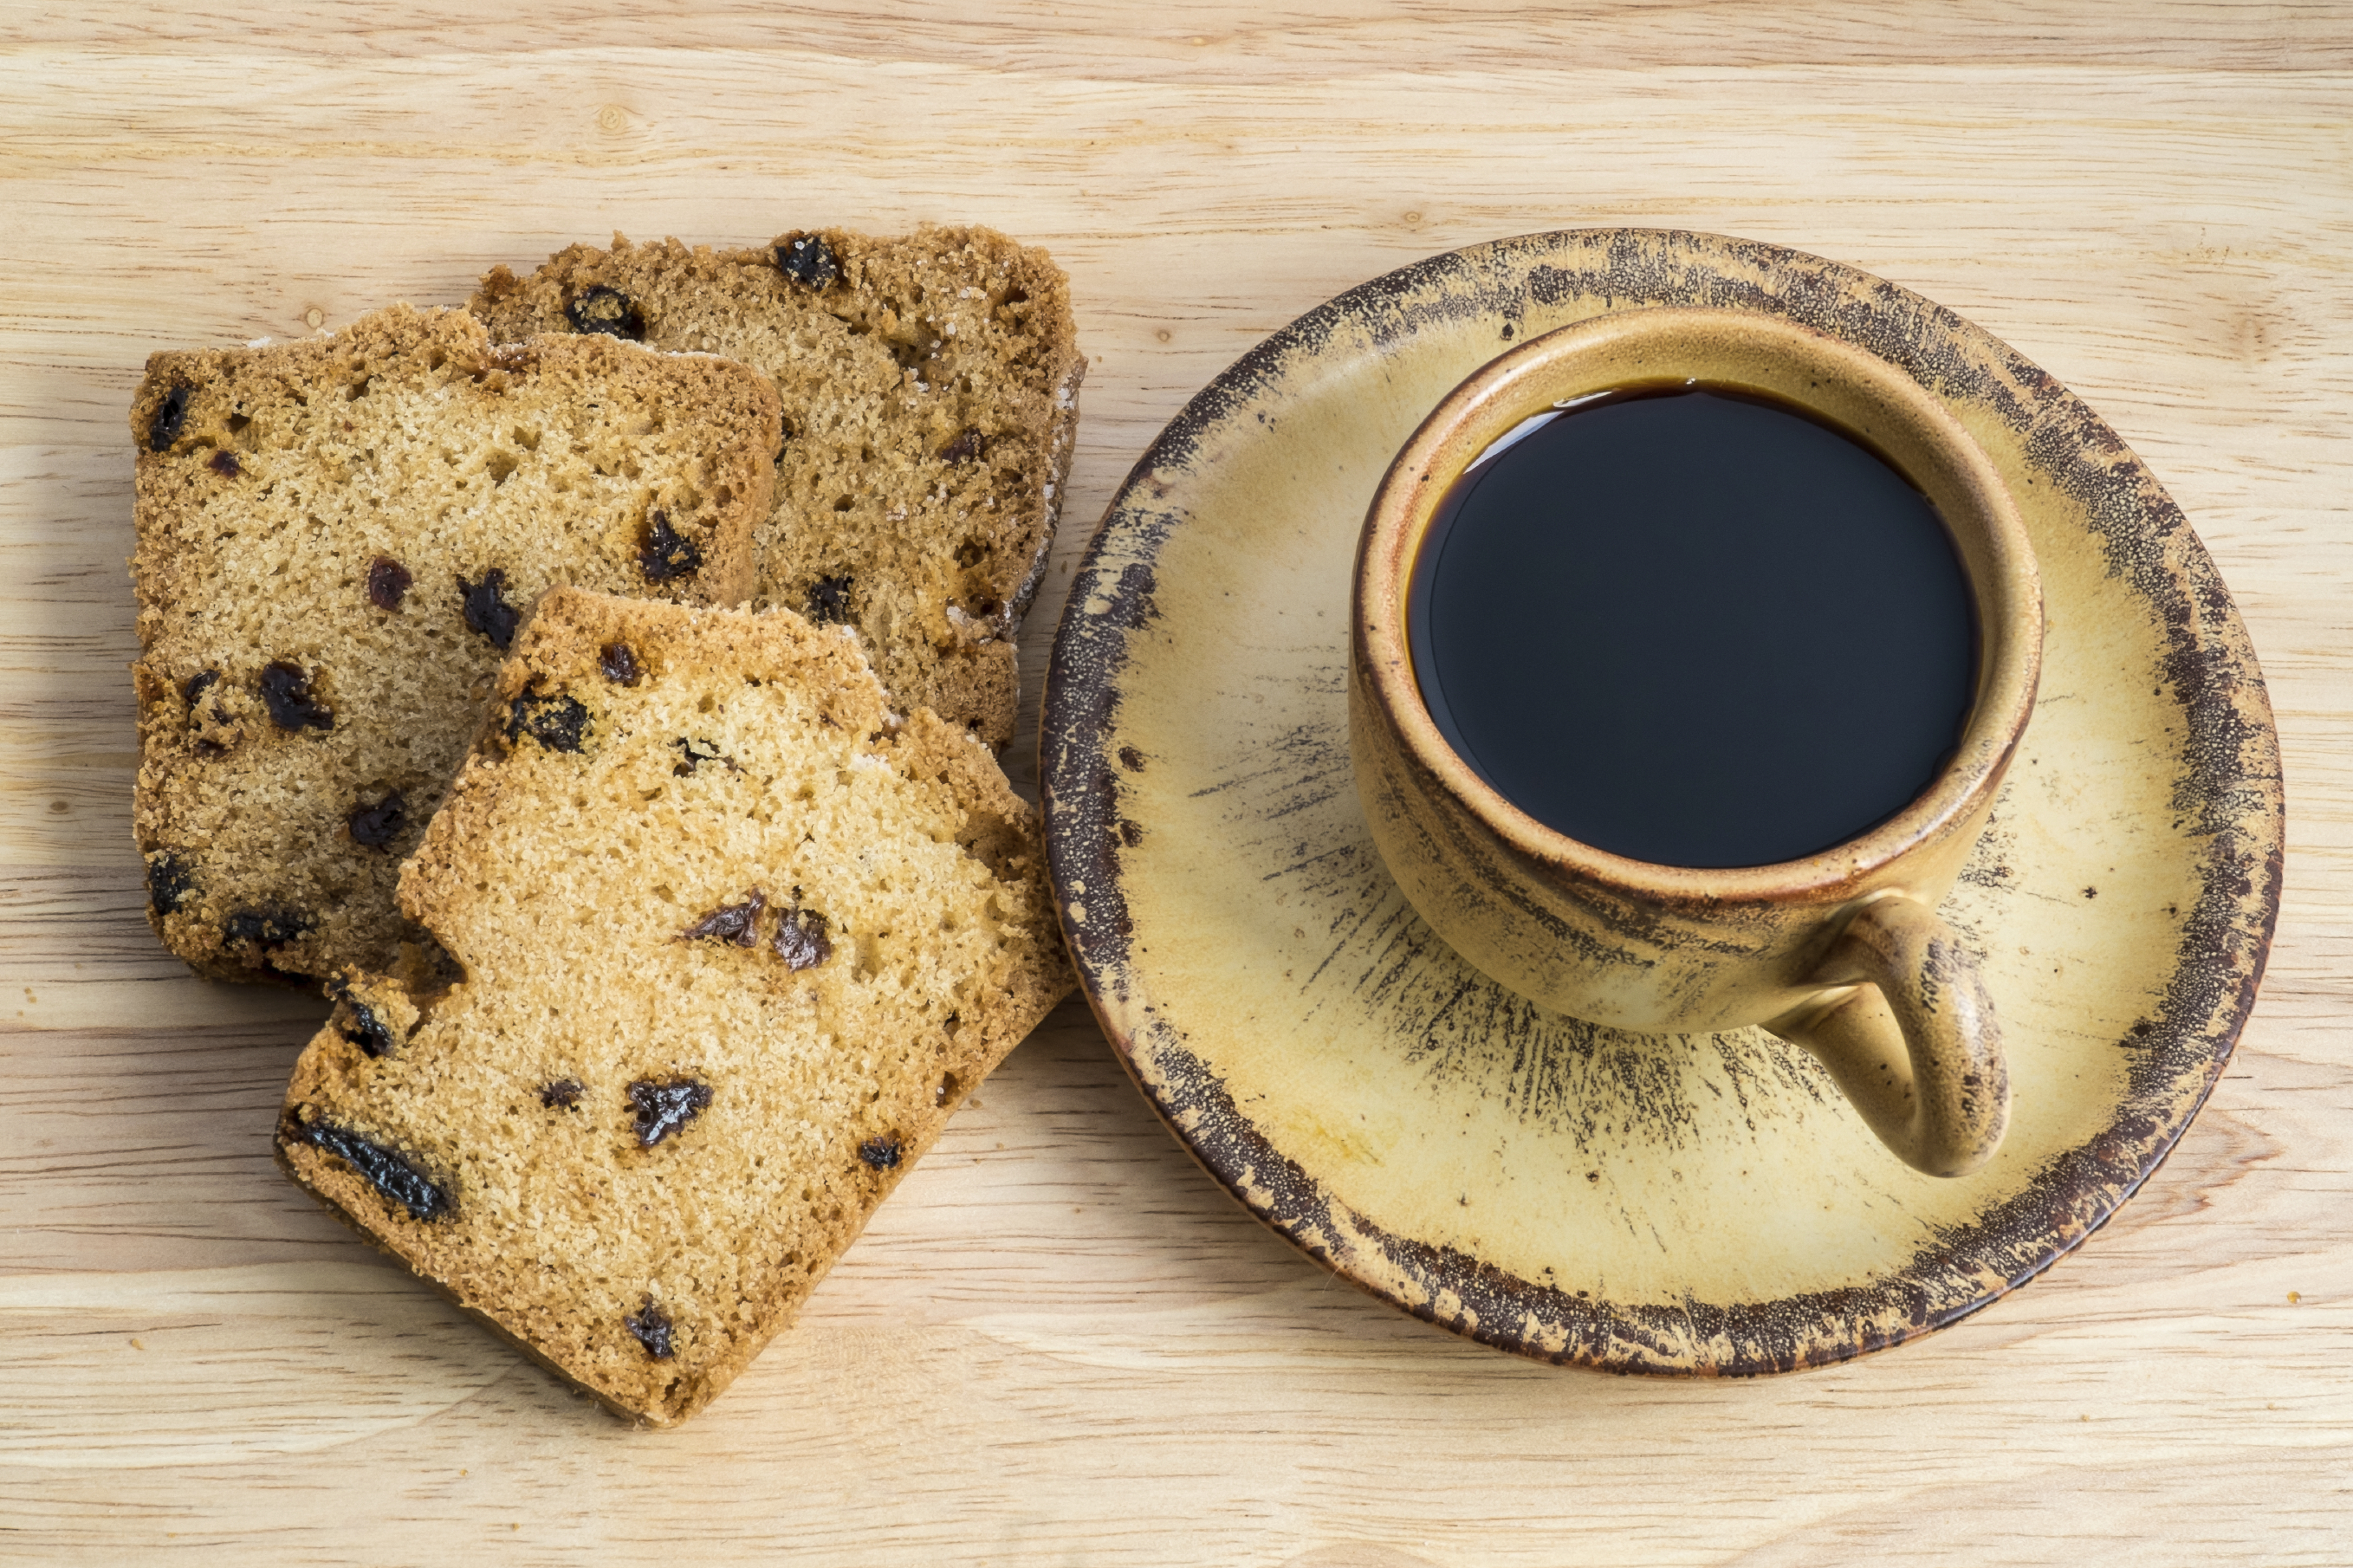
[735, 943]
[337, 539]
[930, 388]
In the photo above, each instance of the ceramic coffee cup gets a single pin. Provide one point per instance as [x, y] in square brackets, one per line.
[1840, 952]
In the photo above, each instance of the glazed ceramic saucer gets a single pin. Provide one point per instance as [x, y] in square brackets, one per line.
[1687, 1204]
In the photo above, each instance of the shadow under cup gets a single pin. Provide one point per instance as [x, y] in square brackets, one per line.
[1831, 945]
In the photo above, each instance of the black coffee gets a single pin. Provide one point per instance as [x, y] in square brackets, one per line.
[1695, 626]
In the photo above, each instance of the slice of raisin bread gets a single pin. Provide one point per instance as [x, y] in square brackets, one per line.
[336, 541]
[735, 943]
[930, 386]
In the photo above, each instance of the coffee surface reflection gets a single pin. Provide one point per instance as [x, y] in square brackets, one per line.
[1694, 626]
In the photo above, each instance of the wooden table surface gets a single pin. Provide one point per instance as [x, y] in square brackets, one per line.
[1060, 1343]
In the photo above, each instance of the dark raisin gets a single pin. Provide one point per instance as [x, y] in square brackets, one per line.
[368, 1031]
[807, 261]
[556, 722]
[170, 415]
[696, 753]
[829, 601]
[651, 1326]
[400, 1179]
[618, 663]
[883, 1154]
[801, 941]
[665, 1105]
[287, 691]
[965, 447]
[170, 880]
[378, 825]
[267, 927]
[599, 309]
[388, 583]
[664, 553]
[224, 463]
[730, 922]
[198, 684]
[487, 610]
[564, 1094]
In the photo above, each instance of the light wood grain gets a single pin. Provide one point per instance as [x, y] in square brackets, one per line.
[1060, 1343]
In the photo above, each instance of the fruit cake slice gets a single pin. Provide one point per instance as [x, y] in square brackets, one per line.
[735, 943]
[336, 539]
[930, 386]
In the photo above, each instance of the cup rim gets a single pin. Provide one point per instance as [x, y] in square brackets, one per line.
[1971, 500]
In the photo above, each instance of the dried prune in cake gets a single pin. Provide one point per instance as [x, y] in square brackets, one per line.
[800, 939]
[652, 1329]
[366, 1030]
[601, 309]
[224, 462]
[387, 583]
[164, 428]
[617, 664]
[665, 555]
[398, 1178]
[829, 600]
[930, 384]
[665, 1105]
[807, 260]
[377, 824]
[486, 607]
[266, 927]
[286, 693]
[736, 924]
[170, 880]
[376, 469]
[555, 721]
[631, 1106]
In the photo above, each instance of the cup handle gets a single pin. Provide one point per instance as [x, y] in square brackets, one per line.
[1914, 1044]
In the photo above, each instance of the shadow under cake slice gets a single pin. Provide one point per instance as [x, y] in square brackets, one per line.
[337, 540]
[735, 945]
[930, 391]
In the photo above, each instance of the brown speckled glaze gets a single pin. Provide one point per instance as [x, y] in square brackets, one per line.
[1685, 950]
[1699, 1204]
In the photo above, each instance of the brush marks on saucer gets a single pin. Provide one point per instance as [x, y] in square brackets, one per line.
[1693, 1204]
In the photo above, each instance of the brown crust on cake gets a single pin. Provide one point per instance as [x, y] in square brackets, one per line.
[334, 535]
[930, 388]
[735, 943]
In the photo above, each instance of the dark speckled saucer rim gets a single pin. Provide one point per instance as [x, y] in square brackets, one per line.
[2232, 782]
